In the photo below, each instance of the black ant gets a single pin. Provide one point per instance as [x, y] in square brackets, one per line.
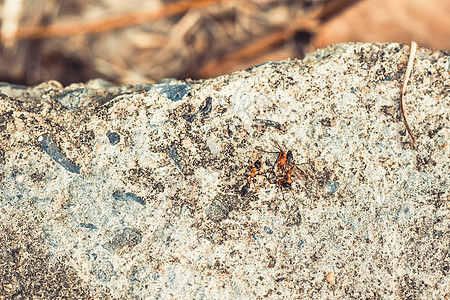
[256, 166]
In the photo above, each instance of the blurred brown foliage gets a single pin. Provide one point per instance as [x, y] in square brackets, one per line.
[145, 41]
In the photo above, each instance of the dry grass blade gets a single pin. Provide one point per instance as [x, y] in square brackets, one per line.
[405, 83]
[110, 23]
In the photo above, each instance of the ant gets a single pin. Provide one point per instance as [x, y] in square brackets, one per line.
[285, 165]
[285, 181]
[256, 166]
[284, 160]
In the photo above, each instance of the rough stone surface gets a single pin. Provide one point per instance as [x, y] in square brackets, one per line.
[134, 191]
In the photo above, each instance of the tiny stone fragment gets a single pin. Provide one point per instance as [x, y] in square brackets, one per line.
[127, 196]
[114, 138]
[173, 92]
[268, 230]
[50, 147]
[128, 237]
[331, 278]
[88, 225]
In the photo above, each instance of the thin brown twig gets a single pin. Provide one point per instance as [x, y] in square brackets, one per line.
[403, 92]
[250, 51]
[309, 22]
[59, 30]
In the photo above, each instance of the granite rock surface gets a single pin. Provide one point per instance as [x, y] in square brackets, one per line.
[135, 191]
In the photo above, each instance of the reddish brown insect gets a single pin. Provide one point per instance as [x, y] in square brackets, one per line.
[286, 179]
[283, 164]
[283, 168]
[284, 160]
[255, 167]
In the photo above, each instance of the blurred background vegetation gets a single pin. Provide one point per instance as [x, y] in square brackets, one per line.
[147, 40]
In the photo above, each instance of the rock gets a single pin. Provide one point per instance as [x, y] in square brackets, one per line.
[135, 190]
[331, 278]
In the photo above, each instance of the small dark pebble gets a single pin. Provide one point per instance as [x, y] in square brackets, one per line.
[114, 138]
[332, 187]
[268, 230]
[174, 156]
[173, 92]
[267, 123]
[204, 110]
[88, 226]
[126, 196]
[49, 146]
[207, 106]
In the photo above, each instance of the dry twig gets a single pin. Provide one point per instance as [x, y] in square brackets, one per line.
[308, 22]
[403, 92]
[110, 23]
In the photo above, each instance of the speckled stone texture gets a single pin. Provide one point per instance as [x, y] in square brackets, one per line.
[134, 191]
